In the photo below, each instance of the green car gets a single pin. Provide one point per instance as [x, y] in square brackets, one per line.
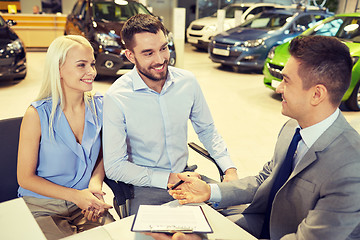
[345, 27]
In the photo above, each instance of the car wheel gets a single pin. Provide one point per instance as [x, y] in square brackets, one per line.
[354, 100]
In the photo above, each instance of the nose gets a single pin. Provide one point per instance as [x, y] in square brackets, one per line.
[159, 58]
[280, 87]
[92, 71]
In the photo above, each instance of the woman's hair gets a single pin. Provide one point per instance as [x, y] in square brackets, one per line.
[51, 85]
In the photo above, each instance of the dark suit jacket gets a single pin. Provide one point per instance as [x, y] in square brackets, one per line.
[320, 200]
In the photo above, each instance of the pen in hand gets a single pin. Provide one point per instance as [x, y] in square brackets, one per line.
[178, 183]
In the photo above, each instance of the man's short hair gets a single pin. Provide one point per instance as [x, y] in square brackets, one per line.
[323, 60]
[138, 24]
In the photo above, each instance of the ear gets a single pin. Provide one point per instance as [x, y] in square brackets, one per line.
[130, 55]
[319, 94]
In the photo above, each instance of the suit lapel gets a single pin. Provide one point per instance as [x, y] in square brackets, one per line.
[321, 144]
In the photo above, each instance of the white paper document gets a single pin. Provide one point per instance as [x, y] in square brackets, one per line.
[154, 218]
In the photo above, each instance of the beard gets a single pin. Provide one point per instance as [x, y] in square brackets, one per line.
[151, 76]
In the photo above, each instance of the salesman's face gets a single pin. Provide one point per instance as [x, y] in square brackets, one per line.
[296, 100]
[150, 55]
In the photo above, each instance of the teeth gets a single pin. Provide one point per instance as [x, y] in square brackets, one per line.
[87, 81]
[158, 68]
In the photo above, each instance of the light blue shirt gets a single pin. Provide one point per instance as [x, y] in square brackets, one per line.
[309, 136]
[145, 132]
[61, 159]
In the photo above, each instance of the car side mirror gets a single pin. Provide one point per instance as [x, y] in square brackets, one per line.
[11, 22]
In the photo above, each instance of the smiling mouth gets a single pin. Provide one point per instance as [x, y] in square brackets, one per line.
[87, 81]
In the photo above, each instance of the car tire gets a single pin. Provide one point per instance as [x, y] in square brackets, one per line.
[353, 103]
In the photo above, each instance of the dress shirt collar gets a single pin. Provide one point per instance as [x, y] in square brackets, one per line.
[311, 134]
[139, 83]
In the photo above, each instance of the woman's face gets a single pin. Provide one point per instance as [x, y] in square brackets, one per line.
[78, 71]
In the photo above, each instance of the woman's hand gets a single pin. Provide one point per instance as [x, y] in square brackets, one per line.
[92, 204]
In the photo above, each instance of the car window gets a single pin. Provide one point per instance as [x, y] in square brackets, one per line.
[350, 29]
[78, 7]
[256, 10]
[2, 22]
[109, 11]
[230, 11]
[346, 28]
[303, 22]
[328, 29]
[267, 21]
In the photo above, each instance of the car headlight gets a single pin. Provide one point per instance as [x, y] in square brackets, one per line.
[211, 28]
[106, 40]
[271, 53]
[170, 37]
[14, 46]
[253, 43]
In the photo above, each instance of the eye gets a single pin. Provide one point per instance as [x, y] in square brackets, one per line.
[164, 48]
[81, 65]
[93, 65]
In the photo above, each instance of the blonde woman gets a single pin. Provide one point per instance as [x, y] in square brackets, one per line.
[60, 166]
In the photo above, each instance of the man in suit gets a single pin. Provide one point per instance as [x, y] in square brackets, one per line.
[319, 199]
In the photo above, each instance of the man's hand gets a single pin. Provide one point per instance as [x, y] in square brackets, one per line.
[176, 236]
[173, 178]
[230, 175]
[193, 190]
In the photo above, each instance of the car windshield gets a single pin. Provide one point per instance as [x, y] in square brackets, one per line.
[267, 21]
[345, 28]
[113, 12]
[230, 11]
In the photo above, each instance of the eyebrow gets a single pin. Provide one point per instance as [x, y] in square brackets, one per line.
[149, 50]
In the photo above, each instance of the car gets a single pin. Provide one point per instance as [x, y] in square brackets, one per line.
[100, 21]
[248, 45]
[12, 53]
[201, 30]
[345, 27]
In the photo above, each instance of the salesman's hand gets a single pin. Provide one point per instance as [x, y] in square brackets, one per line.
[176, 236]
[193, 190]
[230, 175]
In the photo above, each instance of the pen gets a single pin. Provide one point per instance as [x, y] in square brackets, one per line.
[177, 184]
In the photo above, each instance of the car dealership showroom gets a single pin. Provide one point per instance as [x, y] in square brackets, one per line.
[246, 111]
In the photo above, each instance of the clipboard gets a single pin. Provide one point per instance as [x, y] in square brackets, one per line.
[169, 219]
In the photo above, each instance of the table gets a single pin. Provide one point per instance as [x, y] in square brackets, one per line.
[223, 229]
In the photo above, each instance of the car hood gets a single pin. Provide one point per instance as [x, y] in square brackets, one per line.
[354, 48]
[109, 27]
[7, 35]
[207, 21]
[243, 34]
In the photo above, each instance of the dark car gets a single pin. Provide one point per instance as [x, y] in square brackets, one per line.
[12, 53]
[247, 45]
[101, 22]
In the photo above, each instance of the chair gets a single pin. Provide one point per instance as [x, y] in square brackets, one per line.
[9, 141]
[123, 192]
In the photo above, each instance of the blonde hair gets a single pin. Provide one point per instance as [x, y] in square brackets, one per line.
[51, 85]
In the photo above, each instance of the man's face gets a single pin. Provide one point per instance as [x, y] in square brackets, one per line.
[296, 100]
[150, 55]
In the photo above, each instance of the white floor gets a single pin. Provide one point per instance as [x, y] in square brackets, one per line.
[246, 113]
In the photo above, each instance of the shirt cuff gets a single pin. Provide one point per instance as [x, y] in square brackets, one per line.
[225, 163]
[215, 195]
[160, 179]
